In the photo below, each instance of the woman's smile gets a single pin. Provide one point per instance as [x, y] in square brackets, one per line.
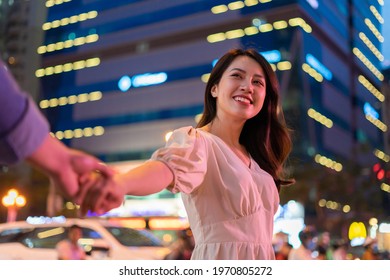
[243, 99]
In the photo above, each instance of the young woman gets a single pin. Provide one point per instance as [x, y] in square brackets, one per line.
[228, 169]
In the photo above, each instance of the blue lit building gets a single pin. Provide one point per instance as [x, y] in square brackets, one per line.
[118, 75]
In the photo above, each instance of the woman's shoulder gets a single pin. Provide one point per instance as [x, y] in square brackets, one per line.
[190, 131]
[184, 129]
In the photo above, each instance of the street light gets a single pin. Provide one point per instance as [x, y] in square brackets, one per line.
[13, 201]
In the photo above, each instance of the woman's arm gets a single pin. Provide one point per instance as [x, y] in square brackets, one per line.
[148, 178]
[103, 195]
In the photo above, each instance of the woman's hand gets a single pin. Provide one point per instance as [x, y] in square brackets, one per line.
[102, 193]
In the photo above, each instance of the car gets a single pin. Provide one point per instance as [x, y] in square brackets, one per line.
[102, 239]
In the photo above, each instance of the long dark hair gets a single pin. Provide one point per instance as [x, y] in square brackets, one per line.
[265, 136]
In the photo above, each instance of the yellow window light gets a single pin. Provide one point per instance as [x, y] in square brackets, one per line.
[267, 27]
[281, 24]
[217, 37]
[219, 9]
[233, 34]
[236, 5]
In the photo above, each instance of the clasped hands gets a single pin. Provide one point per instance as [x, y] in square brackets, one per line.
[85, 180]
[100, 192]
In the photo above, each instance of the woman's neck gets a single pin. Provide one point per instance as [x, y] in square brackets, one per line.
[228, 132]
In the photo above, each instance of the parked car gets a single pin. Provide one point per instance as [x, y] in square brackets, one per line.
[101, 240]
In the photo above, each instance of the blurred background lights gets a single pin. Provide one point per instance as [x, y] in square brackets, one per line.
[37, 220]
[142, 80]
[369, 110]
[373, 116]
[317, 65]
[327, 162]
[289, 219]
[168, 135]
[294, 209]
[13, 198]
[124, 83]
[357, 233]
[256, 22]
[313, 3]
[72, 36]
[384, 227]
[272, 56]
[149, 79]
[198, 117]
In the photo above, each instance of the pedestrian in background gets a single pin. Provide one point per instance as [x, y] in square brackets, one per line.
[284, 251]
[307, 236]
[69, 248]
[340, 250]
[369, 253]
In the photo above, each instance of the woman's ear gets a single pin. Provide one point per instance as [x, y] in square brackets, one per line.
[214, 91]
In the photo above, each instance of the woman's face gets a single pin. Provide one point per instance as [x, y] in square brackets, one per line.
[241, 91]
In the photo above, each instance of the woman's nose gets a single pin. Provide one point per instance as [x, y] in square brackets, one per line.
[247, 87]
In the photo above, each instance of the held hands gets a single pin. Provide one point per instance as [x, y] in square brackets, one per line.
[81, 166]
[101, 193]
[78, 176]
[65, 167]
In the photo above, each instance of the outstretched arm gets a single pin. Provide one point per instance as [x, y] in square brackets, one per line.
[148, 178]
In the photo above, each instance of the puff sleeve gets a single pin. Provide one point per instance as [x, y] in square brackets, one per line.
[186, 155]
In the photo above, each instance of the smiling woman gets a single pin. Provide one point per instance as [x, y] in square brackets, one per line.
[228, 169]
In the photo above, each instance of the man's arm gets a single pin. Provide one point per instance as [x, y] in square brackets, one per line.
[24, 135]
[22, 126]
[65, 166]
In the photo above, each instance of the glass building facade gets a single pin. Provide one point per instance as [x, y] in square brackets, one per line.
[118, 75]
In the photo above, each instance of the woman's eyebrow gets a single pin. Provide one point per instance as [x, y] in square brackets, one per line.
[243, 71]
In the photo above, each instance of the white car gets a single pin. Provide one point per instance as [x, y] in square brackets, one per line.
[101, 239]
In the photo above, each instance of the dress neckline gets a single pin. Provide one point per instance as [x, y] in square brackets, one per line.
[230, 149]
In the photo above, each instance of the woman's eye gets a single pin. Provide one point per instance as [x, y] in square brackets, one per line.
[236, 75]
[260, 83]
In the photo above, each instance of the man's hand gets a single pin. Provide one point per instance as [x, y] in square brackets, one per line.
[66, 167]
[101, 194]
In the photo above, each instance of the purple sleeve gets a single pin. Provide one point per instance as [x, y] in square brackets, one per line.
[22, 126]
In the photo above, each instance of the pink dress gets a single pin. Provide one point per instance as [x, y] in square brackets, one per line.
[230, 206]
